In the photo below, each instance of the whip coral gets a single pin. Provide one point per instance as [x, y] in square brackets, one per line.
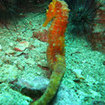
[58, 11]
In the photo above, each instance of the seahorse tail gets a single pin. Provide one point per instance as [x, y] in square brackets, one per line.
[57, 74]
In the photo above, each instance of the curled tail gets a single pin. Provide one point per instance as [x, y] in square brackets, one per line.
[55, 79]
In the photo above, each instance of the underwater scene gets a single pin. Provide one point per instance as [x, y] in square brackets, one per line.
[52, 52]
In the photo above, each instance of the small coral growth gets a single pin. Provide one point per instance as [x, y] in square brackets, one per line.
[97, 38]
[42, 36]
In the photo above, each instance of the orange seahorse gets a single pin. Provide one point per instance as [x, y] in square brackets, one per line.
[59, 12]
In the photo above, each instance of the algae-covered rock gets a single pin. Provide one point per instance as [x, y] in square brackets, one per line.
[11, 97]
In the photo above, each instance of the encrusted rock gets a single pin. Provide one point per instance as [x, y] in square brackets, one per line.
[22, 46]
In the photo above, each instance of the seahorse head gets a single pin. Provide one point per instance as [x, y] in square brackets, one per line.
[51, 12]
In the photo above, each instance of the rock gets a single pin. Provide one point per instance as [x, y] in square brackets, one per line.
[78, 74]
[21, 46]
[0, 47]
[29, 86]
[37, 83]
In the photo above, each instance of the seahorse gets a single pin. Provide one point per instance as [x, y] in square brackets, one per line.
[58, 12]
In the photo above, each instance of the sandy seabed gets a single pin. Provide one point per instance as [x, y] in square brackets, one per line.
[84, 79]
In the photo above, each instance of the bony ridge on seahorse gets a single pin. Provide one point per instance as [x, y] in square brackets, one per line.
[59, 12]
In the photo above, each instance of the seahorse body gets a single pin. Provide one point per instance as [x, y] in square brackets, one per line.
[58, 11]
